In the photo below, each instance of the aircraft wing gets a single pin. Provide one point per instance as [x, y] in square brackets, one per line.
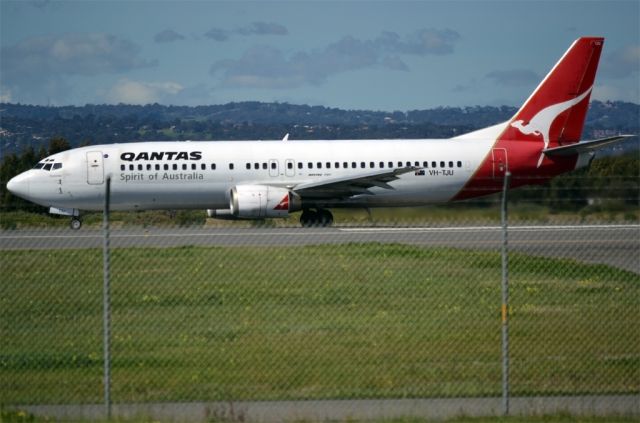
[584, 146]
[349, 186]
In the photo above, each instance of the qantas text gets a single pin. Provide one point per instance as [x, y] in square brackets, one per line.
[162, 155]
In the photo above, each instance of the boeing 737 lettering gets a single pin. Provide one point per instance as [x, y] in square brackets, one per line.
[266, 179]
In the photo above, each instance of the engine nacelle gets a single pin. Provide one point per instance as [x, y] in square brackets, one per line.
[260, 201]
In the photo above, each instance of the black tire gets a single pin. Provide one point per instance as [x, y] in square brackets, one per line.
[75, 224]
[325, 218]
[308, 218]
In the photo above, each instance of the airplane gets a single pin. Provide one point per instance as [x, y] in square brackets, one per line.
[272, 179]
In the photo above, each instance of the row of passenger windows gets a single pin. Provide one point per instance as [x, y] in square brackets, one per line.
[309, 165]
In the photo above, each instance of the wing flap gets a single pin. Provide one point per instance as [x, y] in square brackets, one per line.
[350, 185]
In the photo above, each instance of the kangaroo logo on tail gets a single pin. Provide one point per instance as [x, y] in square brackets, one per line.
[541, 123]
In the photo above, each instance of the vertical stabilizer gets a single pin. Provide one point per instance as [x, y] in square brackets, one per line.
[555, 113]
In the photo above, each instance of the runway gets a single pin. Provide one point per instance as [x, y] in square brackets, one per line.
[615, 245]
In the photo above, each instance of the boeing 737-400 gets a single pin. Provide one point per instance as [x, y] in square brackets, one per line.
[265, 179]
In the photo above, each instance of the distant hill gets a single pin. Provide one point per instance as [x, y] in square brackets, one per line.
[22, 125]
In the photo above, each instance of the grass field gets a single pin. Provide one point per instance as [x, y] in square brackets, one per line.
[315, 322]
[403, 216]
[23, 417]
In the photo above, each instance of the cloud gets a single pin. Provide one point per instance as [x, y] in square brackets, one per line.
[255, 28]
[127, 91]
[622, 63]
[607, 92]
[39, 66]
[167, 36]
[5, 95]
[217, 34]
[263, 28]
[514, 77]
[268, 67]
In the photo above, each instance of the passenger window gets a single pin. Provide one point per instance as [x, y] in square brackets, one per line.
[273, 165]
[132, 167]
[248, 165]
[408, 164]
[399, 164]
[300, 165]
[203, 166]
[450, 164]
[319, 165]
[425, 164]
[193, 166]
[122, 167]
[345, 165]
[441, 164]
[256, 166]
[363, 165]
[213, 166]
[158, 166]
[184, 166]
[289, 165]
[381, 165]
[434, 164]
[310, 165]
[390, 165]
[139, 167]
[353, 165]
[264, 166]
[148, 166]
[372, 165]
[337, 165]
[230, 166]
[459, 164]
[175, 166]
[166, 167]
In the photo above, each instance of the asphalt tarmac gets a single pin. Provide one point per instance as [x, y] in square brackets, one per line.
[615, 245]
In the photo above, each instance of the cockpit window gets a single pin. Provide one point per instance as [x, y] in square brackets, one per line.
[38, 166]
[48, 166]
[57, 166]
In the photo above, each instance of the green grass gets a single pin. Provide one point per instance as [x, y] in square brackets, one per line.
[313, 322]
[403, 216]
[18, 416]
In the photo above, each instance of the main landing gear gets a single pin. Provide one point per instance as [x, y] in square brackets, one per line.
[317, 218]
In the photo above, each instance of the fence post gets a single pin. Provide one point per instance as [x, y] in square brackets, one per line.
[505, 299]
[106, 304]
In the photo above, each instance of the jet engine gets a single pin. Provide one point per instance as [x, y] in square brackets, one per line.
[260, 201]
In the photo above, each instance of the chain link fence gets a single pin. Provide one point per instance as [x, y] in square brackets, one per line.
[383, 306]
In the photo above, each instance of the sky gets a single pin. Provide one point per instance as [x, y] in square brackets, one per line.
[373, 55]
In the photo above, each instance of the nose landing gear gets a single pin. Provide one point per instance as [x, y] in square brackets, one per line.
[319, 218]
[75, 223]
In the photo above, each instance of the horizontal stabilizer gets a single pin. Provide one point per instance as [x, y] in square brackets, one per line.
[584, 146]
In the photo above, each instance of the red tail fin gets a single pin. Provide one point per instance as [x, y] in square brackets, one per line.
[557, 109]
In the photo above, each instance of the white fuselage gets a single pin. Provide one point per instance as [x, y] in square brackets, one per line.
[155, 175]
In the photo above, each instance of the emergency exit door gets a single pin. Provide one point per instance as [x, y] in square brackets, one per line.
[500, 164]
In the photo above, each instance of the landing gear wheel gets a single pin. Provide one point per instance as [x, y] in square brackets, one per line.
[75, 223]
[321, 218]
[325, 218]
[308, 218]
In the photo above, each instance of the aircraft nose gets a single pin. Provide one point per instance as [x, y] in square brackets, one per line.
[19, 186]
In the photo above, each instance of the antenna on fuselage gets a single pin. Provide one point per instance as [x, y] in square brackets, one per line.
[286, 138]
